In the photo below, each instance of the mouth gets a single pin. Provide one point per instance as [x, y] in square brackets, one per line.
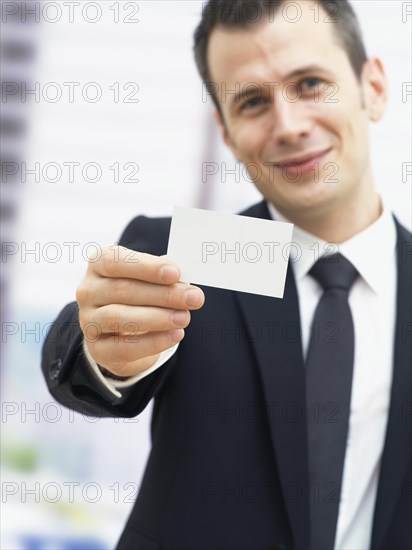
[297, 166]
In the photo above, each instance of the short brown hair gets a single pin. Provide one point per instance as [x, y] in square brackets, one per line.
[244, 14]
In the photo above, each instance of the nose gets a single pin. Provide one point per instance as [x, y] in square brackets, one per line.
[290, 122]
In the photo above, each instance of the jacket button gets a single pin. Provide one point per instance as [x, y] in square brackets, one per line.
[55, 368]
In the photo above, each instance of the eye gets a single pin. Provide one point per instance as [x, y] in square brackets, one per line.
[252, 103]
[310, 83]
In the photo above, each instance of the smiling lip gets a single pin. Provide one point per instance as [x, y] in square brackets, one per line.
[302, 160]
[299, 166]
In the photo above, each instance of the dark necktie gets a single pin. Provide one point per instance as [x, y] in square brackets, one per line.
[329, 368]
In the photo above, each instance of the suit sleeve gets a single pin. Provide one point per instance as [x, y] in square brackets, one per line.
[66, 369]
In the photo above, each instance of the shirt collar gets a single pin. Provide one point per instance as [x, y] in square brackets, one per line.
[369, 250]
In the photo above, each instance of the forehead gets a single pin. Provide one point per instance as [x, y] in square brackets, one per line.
[291, 38]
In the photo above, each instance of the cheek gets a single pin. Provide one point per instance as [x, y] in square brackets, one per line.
[355, 137]
[351, 128]
[247, 148]
[249, 139]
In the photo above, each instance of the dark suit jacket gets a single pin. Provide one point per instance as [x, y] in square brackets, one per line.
[228, 467]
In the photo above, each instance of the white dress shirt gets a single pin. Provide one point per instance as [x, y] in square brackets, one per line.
[115, 385]
[372, 300]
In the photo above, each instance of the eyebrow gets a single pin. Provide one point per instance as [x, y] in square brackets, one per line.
[251, 90]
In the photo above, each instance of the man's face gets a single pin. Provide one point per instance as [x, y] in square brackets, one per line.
[309, 110]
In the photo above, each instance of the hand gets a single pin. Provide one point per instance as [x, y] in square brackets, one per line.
[131, 307]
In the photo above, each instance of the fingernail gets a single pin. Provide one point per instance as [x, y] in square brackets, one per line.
[179, 317]
[168, 273]
[193, 297]
[177, 335]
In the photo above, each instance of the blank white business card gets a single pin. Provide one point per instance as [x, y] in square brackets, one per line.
[230, 251]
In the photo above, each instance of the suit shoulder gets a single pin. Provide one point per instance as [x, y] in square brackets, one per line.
[258, 210]
[149, 235]
[403, 231]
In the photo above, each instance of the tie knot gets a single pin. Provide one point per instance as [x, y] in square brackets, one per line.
[334, 271]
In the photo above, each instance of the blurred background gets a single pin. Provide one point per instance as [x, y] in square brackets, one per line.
[103, 117]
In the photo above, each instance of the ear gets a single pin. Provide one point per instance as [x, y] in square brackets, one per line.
[375, 88]
[225, 134]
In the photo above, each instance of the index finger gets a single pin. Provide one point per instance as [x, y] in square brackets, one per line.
[119, 262]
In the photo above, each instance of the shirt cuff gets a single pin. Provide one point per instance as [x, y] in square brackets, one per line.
[114, 385]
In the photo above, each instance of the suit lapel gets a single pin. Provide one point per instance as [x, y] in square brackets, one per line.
[281, 366]
[279, 360]
[398, 443]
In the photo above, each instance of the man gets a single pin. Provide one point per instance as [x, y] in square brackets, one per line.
[277, 423]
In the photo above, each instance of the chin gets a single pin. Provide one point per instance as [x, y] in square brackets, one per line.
[308, 200]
